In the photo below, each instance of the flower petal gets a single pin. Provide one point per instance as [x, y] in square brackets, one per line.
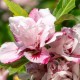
[73, 59]
[34, 14]
[76, 29]
[44, 12]
[54, 38]
[42, 57]
[9, 53]
[19, 24]
[44, 36]
[47, 18]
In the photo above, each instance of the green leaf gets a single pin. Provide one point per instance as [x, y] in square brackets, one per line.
[63, 7]
[76, 12]
[65, 17]
[16, 9]
[78, 19]
[58, 27]
[15, 67]
[20, 69]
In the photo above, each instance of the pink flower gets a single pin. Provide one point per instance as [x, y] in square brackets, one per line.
[67, 45]
[60, 69]
[41, 24]
[33, 33]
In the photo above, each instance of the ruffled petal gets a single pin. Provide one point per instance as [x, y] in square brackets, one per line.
[42, 57]
[73, 59]
[34, 14]
[47, 18]
[76, 29]
[9, 52]
[20, 24]
[55, 36]
[44, 36]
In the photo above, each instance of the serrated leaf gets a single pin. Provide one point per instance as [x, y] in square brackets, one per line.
[65, 17]
[16, 9]
[63, 7]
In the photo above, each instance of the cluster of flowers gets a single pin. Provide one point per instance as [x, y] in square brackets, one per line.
[52, 55]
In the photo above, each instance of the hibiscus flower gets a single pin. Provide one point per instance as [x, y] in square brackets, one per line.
[31, 35]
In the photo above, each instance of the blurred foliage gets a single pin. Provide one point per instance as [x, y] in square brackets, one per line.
[16, 9]
[5, 33]
[63, 7]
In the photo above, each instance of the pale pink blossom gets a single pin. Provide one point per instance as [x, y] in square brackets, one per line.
[21, 26]
[43, 16]
[67, 45]
[33, 33]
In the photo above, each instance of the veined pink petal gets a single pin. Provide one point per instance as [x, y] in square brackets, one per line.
[76, 29]
[43, 15]
[9, 52]
[47, 20]
[44, 12]
[54, 38]
[76, 51]
[31, 33]
[44, 36]
[73, 59]
[31, 38]
[19, 24]
[34, 14]
[75, 42]
[46, 17]
[42, 57]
